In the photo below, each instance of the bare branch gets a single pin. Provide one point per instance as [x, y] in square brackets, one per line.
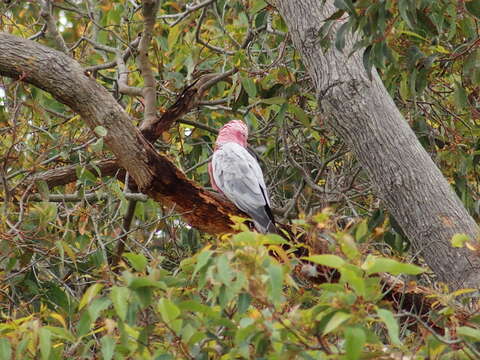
[123, 72]
[299, 167]
[52, 31]
[188, 99]
[87, 197]
[199, 40]
[149, 12]
[39, 34]
[183, 15]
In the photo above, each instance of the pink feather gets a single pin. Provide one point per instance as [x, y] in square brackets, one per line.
[234, 131]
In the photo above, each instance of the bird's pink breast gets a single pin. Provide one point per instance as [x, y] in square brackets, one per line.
[212, 180]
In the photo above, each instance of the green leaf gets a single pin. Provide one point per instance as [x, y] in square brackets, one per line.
[97, 146]
[5, 349]
[173, 36]
[249, 87]
[340, 37]
[202, 260]
[22, 347]
[404, 88]
[100, 131]
[168, 310]
[345, 5]
[60, 333]
[403, 8]
[45, 340]
[335, 321]
[97, 306]
[374, 264]
[460, 96]
[42, 188]
[335, 16]
[84, 324]
[281, 113]
[299, 113]
[469, 332]
[459, 240]
[244, 301]
[257, 6]
[329, 260]
[473, 8]
[277, 100]
[138, 261]
[143, 282]
[195, 306]
[348, 246]
[108, 347]
[275, 271]
[273, 239]
[119, 297]
[367, 62]
[355, 281]
[225, 272]
[91, 292]
[392, 326]
[145, 295]
[361, 230]
[355, 339]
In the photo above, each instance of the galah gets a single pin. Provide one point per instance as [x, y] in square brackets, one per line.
[235, 173]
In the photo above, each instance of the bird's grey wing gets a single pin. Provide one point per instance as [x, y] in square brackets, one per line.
[238, 175]
[240, 178]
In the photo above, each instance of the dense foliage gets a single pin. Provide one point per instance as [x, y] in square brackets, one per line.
[178, 293]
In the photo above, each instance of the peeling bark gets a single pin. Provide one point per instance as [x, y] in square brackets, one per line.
[364, 115]
[153, 173]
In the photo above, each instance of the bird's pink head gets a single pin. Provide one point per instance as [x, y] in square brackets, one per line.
[234, 131]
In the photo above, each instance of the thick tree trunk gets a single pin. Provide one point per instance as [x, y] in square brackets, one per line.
[363, 114]
[153, 173]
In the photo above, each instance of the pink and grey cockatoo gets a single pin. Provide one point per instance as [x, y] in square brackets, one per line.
[235, 173]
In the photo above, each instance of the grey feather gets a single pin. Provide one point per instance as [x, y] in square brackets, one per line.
[237, 173]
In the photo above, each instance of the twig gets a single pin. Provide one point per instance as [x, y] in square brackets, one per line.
[198, 125]
[183, 15]
[200, 41]
[108, 65]
[127, 221]
[122, 81]
[297, 166]
[39, 34]
[215, 78]
[87, 196]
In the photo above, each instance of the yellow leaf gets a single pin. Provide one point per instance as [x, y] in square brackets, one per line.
[91, 292]
[280, 252]
[173, 36]
[59, 318]
[69, 251]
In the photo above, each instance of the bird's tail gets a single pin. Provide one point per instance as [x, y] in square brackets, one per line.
[264, 221]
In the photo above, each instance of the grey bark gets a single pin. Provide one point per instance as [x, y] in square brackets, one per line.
[364, 115]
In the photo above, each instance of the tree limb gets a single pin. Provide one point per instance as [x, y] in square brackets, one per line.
[153, 173]
[52, 30]
[149, 11]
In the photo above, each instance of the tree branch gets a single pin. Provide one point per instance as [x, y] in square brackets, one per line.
[52, 31]
[189, 98]
[153, 173]
[149, 12]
